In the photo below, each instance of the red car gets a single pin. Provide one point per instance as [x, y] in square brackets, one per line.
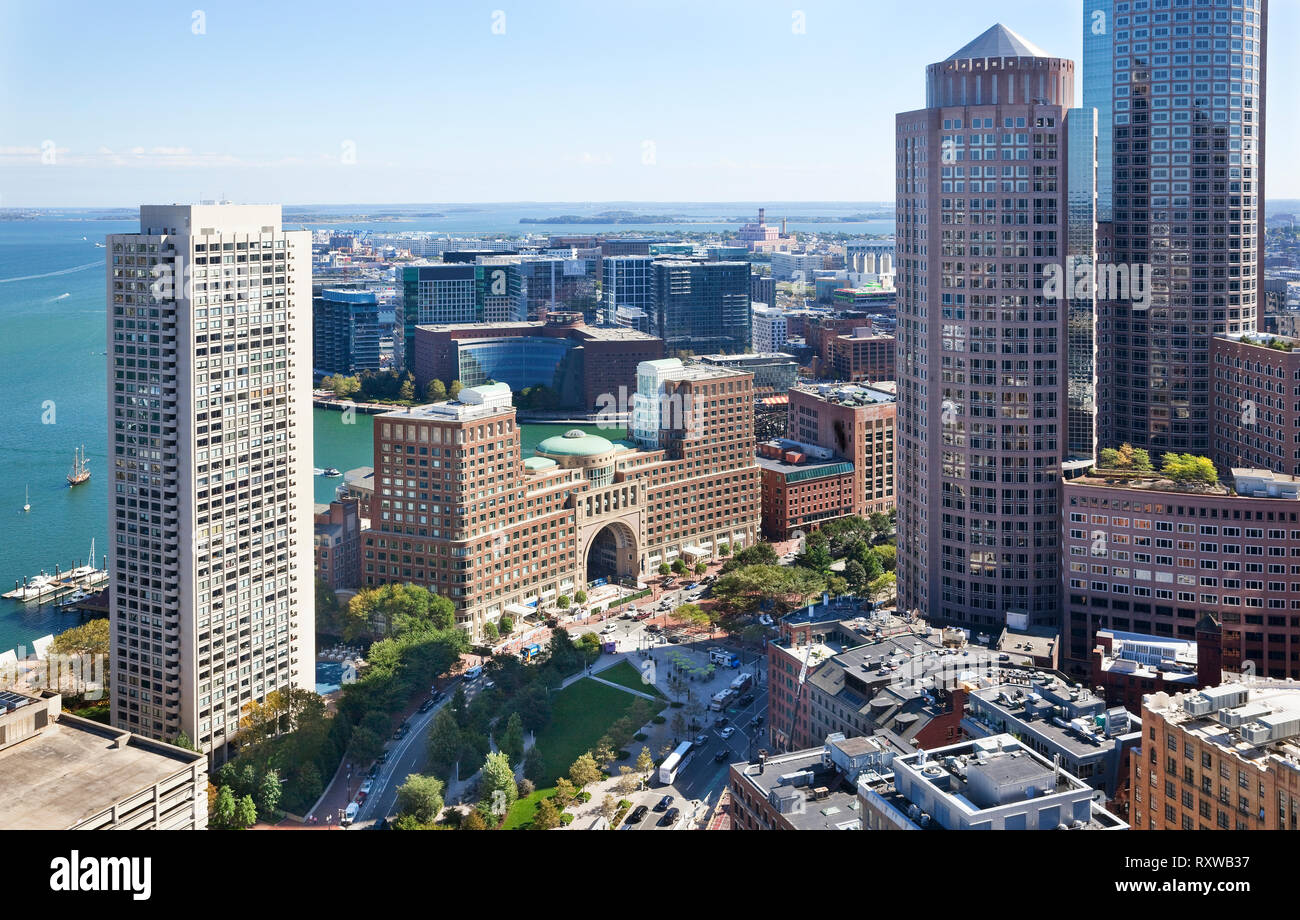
[644, 615]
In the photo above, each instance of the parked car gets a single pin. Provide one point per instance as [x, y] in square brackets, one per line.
[350, 814]
[722, 755]
[489, 684]
[637, 814]
[427, 705]
[701, 740]
[674, 639]
[670, 817]
[653, 627]
[644, 615]
[727, 732]
[663, 803]
[366, 787]
[382, 758]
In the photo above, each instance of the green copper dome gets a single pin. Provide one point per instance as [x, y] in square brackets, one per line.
[575, 443]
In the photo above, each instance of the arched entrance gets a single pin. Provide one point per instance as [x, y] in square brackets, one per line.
[611, 554]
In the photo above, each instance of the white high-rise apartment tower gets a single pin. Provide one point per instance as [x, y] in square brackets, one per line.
[210, 436]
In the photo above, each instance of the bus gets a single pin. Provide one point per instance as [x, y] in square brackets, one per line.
[674, 762]
[529, 652]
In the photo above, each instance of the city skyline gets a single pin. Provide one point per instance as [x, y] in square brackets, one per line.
[714, 110]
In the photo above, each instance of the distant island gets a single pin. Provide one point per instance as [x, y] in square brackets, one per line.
[608, 217]
[312, 217]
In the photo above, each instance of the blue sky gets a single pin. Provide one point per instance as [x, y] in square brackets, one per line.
[564, 101]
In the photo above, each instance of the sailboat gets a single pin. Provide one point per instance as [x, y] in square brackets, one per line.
[80, 469]
[27, 501]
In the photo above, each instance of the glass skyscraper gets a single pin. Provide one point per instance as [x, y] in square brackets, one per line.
[1186, 170]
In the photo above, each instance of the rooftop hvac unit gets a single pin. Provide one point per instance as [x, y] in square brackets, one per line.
[1254, 733]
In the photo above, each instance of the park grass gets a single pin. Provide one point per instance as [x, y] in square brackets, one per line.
[625, 675]
[521, 813]
[581, 713]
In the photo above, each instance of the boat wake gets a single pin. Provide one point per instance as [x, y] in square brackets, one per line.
[61, 271]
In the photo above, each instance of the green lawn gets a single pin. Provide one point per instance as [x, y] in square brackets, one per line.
[581, 713]
[521, 813]
[625, 675]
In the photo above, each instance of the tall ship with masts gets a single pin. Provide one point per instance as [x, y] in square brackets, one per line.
[80, 468]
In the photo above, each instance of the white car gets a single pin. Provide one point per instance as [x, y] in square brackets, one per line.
[609, 629]
[351, 814]
[727, 732]
[366, 787]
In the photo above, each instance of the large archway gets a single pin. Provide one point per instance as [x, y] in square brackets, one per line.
[611, 554]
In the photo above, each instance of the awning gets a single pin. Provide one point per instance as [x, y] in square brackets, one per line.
[519, 610]
[694, 551]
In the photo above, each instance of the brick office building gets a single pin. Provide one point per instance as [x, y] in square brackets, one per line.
[837, 458]
[458, 509]
[1255, 411]
[1148, 557]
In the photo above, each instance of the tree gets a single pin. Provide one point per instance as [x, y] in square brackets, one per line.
[224, 809]
[407, 390]
[269, 792]
[436, 391]
[547, 817]
[724, 550]
[564, 792]
[664, 568]
[691, 613]
[628, 780]
[421, 797]
[90, 638]
[473, 822]
[701, 568]
[816, 555]
[245, 812]
[1108, 458]
[679, 566]
[887, 553]
[880, 524]
[512, 741]
[490, 632]
[584, 771]
[855, 574]
[881, 587]
[608, 807]
[453, 390]
[678, 725]
[562, 602]
[1142, 460]
[496, 784]
[604, 751]
[645, 761]
[580, 597]
[507, 624]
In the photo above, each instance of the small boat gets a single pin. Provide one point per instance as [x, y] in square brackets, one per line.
[330, 472]
[80, 468]
[72, 599]
[27, 502]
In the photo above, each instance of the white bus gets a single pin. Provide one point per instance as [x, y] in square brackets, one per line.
[674, 762]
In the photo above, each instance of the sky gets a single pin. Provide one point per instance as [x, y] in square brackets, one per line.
[505, 100]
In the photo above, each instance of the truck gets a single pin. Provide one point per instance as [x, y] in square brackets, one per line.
[723, 657]
[722, 699]
[529, 652]
[742, 682]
